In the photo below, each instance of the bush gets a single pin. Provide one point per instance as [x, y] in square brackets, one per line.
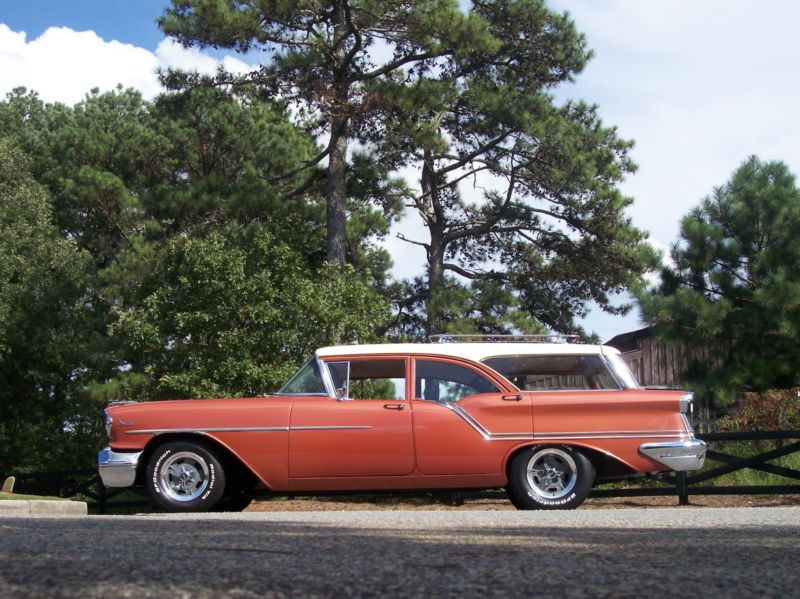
[776, 409]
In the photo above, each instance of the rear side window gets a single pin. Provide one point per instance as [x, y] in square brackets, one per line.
[448, 383]
[559, 373]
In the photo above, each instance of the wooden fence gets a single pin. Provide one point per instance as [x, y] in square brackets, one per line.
[683, 484]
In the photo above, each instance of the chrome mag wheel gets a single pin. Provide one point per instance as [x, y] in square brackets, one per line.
[551, 473]
[184, 476]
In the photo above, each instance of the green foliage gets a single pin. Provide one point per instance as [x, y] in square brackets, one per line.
[772, 410]
[734, 286]
[181, 233]
[42, 326]
[320, 57]
[481, 307]
[233, 313]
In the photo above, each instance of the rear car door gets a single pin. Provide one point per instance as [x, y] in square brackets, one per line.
[465, 418]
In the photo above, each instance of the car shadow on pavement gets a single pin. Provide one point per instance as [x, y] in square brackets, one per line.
[212, 558]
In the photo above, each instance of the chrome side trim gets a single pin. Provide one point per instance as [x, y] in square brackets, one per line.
[560, 435]
[240, 429]
[117, 469]
[678, 455]
[229, 429]
[636, 432]
[328, 428]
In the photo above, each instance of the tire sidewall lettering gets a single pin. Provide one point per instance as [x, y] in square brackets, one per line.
[543, 501]
[212, 479]
[157, 468]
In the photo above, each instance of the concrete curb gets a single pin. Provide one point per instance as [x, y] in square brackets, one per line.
[42, 507]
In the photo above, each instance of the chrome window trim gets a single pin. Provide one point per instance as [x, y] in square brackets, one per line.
[327, 379]
[601, 356]
[613, 369]
[327, 383]
[302, 394]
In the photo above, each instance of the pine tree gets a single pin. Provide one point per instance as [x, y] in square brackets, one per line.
[734, 285]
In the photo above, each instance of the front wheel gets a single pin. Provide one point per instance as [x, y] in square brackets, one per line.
[555, 477]
[185, 477]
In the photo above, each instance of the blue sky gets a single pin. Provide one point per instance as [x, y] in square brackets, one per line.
[698, 84]
[131, 21]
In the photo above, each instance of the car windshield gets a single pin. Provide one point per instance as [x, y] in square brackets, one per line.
[306, 381]
[540, 373]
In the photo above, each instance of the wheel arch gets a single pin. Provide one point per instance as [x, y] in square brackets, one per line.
[236, 468]
[606, 465]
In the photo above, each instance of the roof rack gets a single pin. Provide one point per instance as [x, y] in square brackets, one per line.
[550, 338]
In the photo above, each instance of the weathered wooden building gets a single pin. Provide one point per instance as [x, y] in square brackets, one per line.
[655, 363]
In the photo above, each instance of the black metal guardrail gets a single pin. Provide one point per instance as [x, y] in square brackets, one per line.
[87, 483]
[683, 484]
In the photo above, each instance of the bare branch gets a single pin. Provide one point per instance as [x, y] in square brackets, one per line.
[396, 64]
[407, 240]
[474, 154]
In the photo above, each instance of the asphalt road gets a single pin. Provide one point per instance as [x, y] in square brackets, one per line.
[685, 552]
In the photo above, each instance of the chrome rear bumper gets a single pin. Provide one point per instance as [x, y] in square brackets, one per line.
[118, 469]
[677, 455]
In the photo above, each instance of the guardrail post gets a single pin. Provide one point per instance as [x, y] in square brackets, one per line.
[682, 488]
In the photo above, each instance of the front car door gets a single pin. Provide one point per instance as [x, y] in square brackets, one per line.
[365, 433]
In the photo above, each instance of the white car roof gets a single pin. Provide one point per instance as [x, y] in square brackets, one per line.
[477, 352]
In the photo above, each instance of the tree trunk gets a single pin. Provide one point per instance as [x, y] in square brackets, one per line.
[436, 289]
[434, 219]
[338, 118]
[336, 192]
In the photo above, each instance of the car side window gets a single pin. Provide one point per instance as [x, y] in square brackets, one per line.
[555, 373]
[448, 383]
[370, 379]
[306, 381]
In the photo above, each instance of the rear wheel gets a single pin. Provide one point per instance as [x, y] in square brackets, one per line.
[185, 477]
[551, 477]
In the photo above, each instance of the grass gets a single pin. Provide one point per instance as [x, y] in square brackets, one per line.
[747, 476]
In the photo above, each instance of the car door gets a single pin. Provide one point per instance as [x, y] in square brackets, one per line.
[367, 433]
[465, 418]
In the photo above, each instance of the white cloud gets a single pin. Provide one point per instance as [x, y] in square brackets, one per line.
[62, 65]
[171, 54]
[699, 86]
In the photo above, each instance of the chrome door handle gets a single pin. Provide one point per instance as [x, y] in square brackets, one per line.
[512, 397]
[393, 406]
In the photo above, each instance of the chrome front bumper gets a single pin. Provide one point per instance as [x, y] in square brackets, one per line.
[677, 455]
[118, 469]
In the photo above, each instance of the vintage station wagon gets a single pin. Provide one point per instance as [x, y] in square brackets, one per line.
[546, 421]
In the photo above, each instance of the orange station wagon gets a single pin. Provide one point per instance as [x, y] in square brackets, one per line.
[546, 421]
